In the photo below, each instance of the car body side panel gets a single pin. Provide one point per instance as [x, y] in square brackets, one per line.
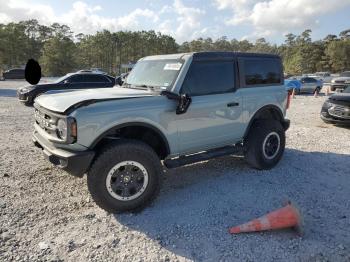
[157, 111]
[255, 98]
[210, 123]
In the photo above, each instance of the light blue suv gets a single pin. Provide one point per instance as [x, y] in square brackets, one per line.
[171, 111]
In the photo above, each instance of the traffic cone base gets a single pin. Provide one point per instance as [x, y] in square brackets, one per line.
[285, 217]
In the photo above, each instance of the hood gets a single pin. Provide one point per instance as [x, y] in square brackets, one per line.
[60, 102]
[341, 97]
[28, 88]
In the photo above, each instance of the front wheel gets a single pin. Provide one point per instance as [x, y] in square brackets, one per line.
[126, 176]
[265, 144]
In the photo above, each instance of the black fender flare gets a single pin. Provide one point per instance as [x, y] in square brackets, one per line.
[277, 111]
[131, 124]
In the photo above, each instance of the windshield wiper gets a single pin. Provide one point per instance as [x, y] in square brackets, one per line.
[143, 87]
[147, 86]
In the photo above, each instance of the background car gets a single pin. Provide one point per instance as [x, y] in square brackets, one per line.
[340, 82]
[325, 77]
[98, 70]
[336, 109]
[15, 73]
[292, 83]
[304, 85]
[310, 85]
[83, 79]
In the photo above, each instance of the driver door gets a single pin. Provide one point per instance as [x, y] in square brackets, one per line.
[214, 118]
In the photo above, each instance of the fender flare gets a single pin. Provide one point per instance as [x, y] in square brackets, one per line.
[274, 108]
[131, 124]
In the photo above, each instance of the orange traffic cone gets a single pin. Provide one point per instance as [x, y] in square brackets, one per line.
[284, 217]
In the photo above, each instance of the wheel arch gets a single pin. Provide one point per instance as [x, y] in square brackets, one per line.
[266, 112]
[140, 130]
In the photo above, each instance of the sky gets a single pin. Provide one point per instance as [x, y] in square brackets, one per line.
[187, 20]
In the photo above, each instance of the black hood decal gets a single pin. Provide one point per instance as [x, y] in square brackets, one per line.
[93, 101]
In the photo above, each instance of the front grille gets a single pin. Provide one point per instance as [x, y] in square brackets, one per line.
[339, 81]
[46, 121]
[340, 111]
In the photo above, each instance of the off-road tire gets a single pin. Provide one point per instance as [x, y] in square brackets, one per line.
[117, 152]
[259, 131]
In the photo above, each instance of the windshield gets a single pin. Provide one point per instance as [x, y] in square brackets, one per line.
[345, 74]
[154, 73]
[61, 79]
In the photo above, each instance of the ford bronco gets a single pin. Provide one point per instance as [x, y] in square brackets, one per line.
[171, 111]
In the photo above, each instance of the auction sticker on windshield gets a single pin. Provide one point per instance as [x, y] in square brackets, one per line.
[172, 66]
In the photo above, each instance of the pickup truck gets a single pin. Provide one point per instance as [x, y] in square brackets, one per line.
[171, 111]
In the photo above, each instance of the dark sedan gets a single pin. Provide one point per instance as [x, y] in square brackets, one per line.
[76, 81]
[336, 109]
[16, 73]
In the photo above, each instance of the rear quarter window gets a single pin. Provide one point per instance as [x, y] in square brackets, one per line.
[261, 71]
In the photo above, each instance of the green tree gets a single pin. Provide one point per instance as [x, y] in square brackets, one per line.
[58, 56]
[338, 53]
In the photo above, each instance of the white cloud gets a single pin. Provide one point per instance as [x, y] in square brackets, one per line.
[188, 20]
[81, 17]
[275, 16]
[178, 20]
[186, 25]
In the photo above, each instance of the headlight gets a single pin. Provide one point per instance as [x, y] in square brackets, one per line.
[67, 130]
[62, 129]
[26, 89]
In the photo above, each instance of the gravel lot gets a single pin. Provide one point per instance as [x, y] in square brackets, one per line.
[47, 215]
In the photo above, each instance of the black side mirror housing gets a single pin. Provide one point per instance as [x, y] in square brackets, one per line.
[184, 101]
[119, 81]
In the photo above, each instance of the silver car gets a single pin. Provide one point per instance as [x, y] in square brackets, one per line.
[309, 85]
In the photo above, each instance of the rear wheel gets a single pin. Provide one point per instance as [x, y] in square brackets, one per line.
[125, 176]
[265, 144]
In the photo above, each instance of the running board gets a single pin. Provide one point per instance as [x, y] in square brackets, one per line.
[214, 153]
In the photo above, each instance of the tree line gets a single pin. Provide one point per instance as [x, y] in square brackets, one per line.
[60, 51]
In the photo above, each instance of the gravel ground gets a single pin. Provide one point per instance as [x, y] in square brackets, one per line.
[47, 215]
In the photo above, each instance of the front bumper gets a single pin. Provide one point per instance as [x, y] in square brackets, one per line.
[326, 117]
[23, 97]
[75, 163]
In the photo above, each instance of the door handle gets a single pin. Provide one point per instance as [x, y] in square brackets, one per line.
[232, 104]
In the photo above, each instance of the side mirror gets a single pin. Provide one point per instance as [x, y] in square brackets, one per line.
[65, 81]
[184, 101]
[119, 81]
[184, 104]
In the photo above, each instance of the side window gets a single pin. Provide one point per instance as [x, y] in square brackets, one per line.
[262, 71]
[76, 79]
[309, 80]
[95, 79]
[204, 78]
